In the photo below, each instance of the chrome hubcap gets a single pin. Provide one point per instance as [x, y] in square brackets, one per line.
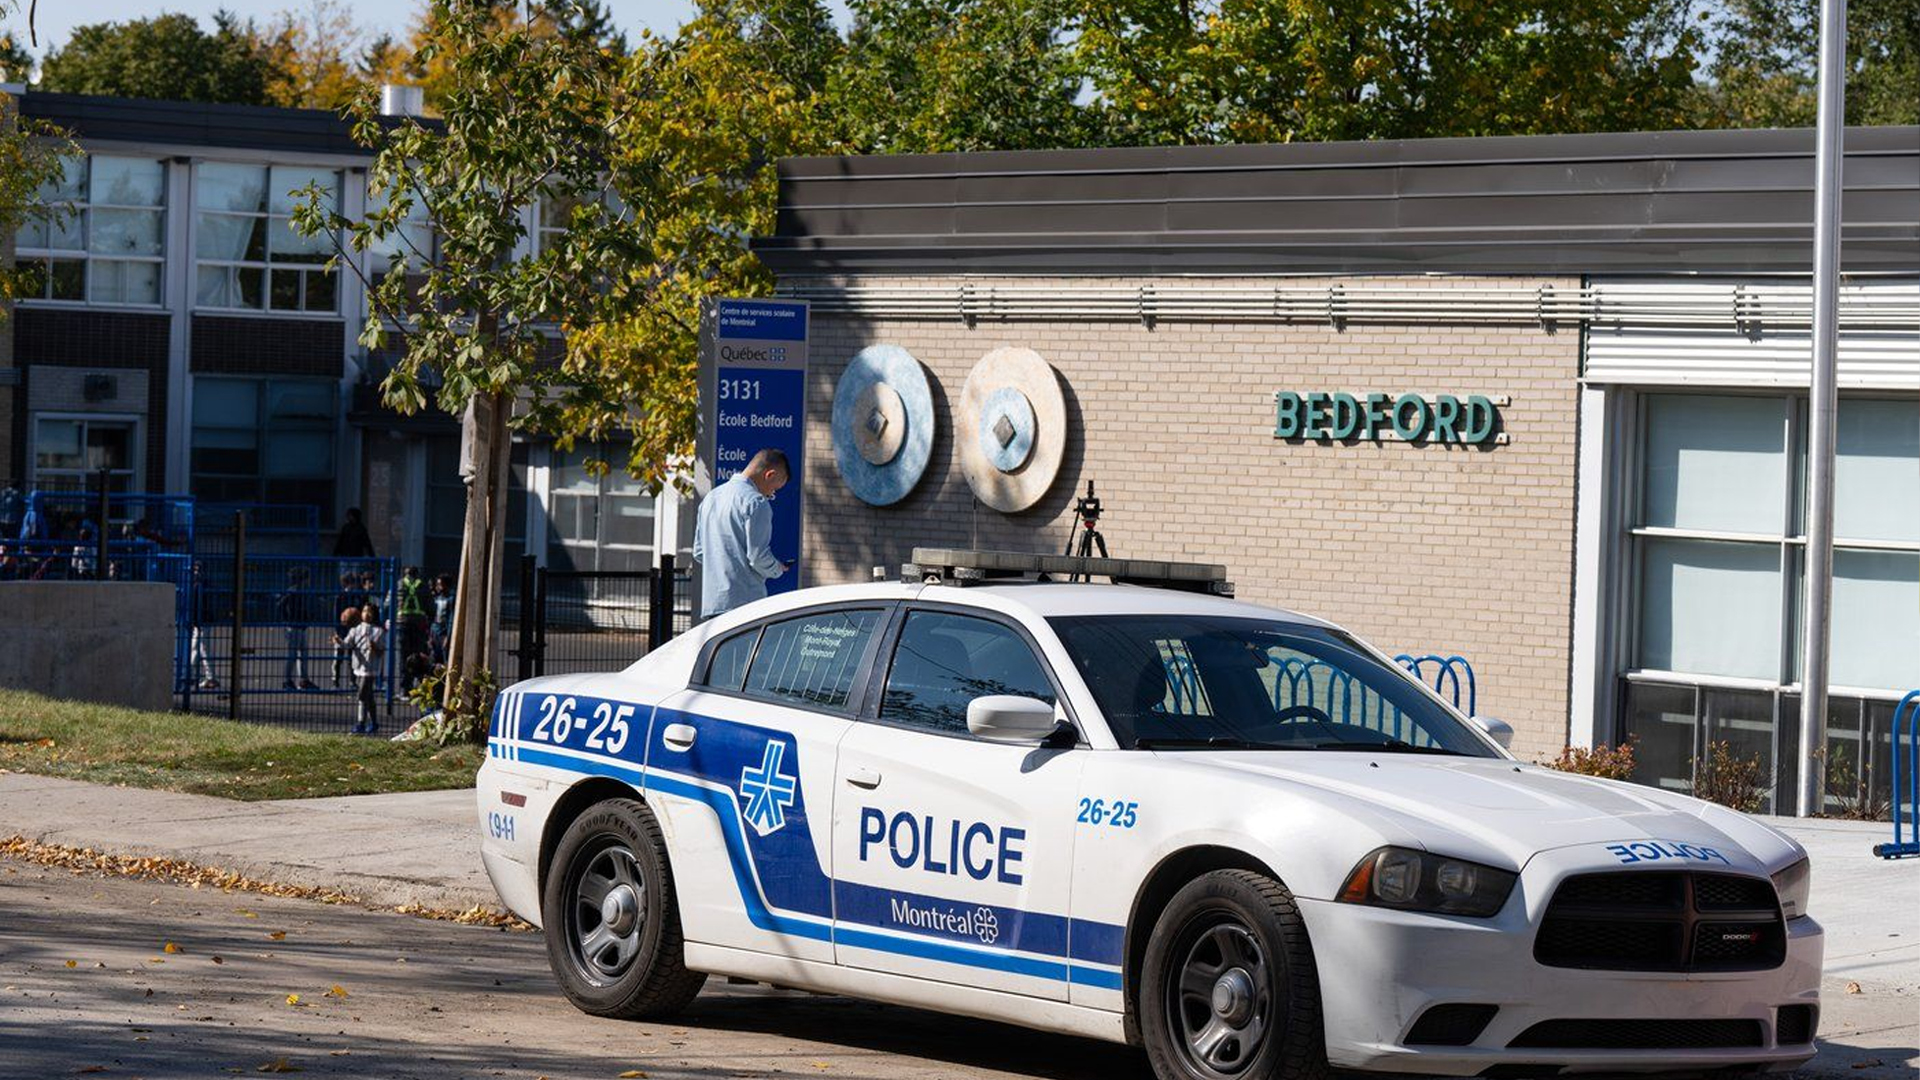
[1219, 1005]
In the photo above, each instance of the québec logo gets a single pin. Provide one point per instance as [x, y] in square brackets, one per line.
[768, 791]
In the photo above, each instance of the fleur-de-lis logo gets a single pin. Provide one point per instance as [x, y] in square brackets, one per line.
[987, 925]
[768, 791]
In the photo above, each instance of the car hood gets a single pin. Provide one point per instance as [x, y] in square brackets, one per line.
[1500, 810]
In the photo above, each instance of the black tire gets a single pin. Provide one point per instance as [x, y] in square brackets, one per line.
[631, 966]
[1229, 990]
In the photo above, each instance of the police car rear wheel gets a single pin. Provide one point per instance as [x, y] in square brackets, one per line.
[1229, 991]
[612, 929]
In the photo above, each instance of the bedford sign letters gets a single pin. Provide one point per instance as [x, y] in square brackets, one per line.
[1411, 417]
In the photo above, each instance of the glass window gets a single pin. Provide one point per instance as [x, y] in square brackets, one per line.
[106, 242]
[1716, 463]
[1238, 682]
[812, 660]
[264, 441]
[728, 668]
[69, 451]
[597, 522]
[1659, 720]
[1710, 608]
[1876, 619]
[1742, 722]
[247, 253]
[944, 661]
[1876, 485]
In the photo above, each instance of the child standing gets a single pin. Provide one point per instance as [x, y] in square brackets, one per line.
[365, 643]
[350, 598]
[292, 608]
[442, 626]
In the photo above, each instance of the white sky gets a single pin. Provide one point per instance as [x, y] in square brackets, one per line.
[57, 18]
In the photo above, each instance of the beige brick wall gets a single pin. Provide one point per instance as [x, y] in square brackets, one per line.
[1417, 548]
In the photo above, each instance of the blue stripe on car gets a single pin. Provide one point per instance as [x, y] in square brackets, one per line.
[788, 868]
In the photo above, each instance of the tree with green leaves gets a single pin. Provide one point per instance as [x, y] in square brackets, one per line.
[16, 63]
[704, 121]
[1765, 69]
[34, 156]
[1177, 71]
[933, 76]
[475, 311]
[167, 56]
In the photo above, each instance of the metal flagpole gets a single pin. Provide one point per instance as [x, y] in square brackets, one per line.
[1821, 413]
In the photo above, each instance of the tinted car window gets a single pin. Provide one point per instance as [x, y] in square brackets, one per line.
[728, 668]
[1198, 681]
[812, 659]
[944, 661]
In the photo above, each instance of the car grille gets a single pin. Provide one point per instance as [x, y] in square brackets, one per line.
[1663, 920]
[1640, 1035]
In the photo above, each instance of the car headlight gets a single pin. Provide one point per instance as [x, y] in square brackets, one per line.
[1422, 881]
[1793, 885]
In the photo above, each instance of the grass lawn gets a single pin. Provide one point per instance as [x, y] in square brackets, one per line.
[207, 756]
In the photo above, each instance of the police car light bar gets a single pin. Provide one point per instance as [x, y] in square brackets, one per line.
[955, 566]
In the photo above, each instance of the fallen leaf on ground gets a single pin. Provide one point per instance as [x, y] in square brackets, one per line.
[278, 1065]
[73, 963]
[278, 935]
[217, 960]
[1853, 988]
[92, 1069]
[1867, 1064]
[170, 948]
[630, 1074]
[337, 991]
[293, 999]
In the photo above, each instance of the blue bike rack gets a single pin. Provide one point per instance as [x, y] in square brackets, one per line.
[1452, 676]
[1906, 765]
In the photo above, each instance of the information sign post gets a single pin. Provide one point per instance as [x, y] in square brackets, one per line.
[753, 396]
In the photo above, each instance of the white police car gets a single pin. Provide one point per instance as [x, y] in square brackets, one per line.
[1237, 836]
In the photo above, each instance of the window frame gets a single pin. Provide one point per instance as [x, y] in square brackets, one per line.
[263, 427]
[136, 450]
[267, 215]
[82, 209]
[1790, 541]
[857, 690]
[883, 667]
[1627, 600]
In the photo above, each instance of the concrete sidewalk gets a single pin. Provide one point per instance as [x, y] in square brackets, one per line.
[416, 848]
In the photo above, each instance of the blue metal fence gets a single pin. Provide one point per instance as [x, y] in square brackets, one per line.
[1906, 768]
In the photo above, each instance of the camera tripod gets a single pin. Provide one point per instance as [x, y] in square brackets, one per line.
[1084, 538]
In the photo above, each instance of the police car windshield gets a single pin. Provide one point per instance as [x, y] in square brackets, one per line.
[1199, 682]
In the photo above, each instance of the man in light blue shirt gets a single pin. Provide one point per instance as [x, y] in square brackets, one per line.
[732, 534]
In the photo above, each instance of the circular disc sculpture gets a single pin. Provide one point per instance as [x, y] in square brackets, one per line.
[1012, 428]
[882, 424]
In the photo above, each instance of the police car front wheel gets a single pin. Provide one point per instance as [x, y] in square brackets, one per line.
[613, 932]
[1229, 991]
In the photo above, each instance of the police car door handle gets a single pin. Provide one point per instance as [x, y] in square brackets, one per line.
[864, 778]
[678, 736]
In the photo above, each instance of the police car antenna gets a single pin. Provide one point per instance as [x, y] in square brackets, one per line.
[1086, 514]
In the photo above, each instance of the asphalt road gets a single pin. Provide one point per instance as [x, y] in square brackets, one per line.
[422, 1000]
[88, 987]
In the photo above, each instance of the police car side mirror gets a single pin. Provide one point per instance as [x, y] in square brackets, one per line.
[1500, 730]
[1008, 718]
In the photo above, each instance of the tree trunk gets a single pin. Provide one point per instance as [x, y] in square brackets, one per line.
[474, 643]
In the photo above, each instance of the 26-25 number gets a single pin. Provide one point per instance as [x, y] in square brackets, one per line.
[1116, 814]
[610, 731]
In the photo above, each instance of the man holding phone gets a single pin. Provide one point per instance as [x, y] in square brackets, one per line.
[733, 532]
